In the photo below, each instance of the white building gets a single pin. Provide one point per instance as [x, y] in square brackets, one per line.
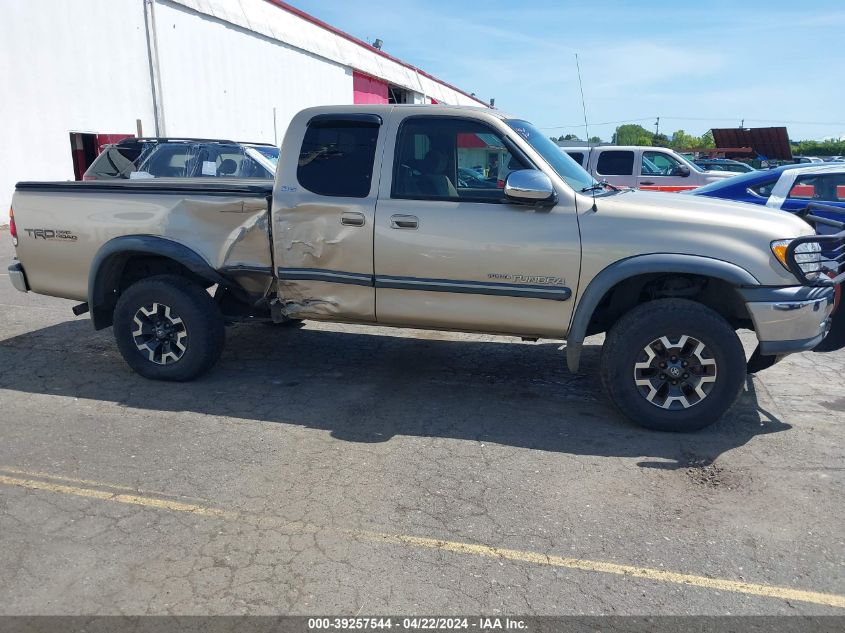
[79, 73]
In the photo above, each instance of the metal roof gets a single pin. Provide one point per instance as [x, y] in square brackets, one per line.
[771, 142]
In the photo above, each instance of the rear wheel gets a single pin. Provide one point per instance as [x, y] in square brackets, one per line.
[672, 365]
[168, 328]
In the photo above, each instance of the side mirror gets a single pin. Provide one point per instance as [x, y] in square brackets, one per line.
[529, 186]
[683, 171]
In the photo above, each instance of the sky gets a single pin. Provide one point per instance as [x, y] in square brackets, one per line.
[695, 64]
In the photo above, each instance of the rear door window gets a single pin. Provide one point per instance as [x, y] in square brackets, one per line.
[578, 157]
[615, 163]
[337, 156]
[827, 187]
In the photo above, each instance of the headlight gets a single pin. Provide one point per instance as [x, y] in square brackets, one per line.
[808, 256]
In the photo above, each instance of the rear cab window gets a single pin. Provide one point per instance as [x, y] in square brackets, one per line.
[615, 163]
[337, 155]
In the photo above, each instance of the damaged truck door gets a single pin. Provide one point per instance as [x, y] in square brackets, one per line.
[323, 220]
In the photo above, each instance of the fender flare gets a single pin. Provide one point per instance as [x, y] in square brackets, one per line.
[109, 261]
[639, 265]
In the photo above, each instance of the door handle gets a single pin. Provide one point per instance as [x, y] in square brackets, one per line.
[646, 182]
[404, 222]
[352, 218]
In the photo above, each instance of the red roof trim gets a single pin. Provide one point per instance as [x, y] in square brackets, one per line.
[310, 18]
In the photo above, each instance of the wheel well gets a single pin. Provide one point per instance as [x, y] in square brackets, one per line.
[121, 270]
[715, 293]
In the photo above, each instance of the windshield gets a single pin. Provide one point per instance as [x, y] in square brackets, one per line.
[268, 152]
[691, 164]
[560, 161]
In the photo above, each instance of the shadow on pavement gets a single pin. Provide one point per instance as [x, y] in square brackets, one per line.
[366, 388]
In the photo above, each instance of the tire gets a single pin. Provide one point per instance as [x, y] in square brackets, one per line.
[168, 328]
[287, 323]
[638, 369]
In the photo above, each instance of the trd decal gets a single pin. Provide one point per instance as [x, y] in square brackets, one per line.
[51, 234]
[545, 280]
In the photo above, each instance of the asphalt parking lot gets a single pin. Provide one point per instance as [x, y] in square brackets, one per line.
[348, 470]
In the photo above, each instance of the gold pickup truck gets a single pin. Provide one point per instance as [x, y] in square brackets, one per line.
[446, 218]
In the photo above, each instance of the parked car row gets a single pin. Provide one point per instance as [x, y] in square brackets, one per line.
[649, 168]
[135, 158]
[723, 164]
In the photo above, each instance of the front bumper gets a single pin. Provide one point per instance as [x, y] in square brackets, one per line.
[18, 277]
[792, 319]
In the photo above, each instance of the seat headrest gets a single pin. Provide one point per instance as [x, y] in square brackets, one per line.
[227, 167]
[434, 162]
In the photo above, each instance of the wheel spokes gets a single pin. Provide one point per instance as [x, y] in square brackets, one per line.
[159, 334]
[675, 374]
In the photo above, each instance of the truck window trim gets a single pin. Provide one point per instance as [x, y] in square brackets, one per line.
[352, 117]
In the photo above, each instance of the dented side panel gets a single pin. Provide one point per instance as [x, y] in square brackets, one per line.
[62, 230]
[323, 246]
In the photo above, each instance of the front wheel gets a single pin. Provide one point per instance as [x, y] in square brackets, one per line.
[168, 328]
[672, 365]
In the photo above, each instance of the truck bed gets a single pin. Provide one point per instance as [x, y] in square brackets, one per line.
[63, 225]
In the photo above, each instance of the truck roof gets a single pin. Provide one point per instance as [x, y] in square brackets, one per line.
[384, 109]
[575, 148]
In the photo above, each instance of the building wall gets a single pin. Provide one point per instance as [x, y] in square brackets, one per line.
[221, 80]
[224, 66]
[269, 18]
[368, 90]
[67, 68]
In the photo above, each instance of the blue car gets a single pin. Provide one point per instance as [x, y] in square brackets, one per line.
[754, 187]
[790, 188]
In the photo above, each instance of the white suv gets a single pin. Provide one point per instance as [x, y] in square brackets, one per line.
[653, 168]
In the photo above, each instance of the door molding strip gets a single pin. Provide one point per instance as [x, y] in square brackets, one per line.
[553, 293]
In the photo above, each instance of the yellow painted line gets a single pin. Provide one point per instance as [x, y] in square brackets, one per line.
[631, 571]
[89, 482]
[131, 499]
[735, 586]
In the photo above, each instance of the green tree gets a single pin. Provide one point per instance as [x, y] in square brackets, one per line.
[660, 140]
[682, 140]
[818, 148]
[568, 137]
[632, 134]
[707, 140]
[595, 140]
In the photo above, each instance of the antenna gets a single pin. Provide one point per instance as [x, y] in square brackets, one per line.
[586, 126]
[583, 105]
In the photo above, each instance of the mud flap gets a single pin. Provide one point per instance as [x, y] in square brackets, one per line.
[758, 362]
[835, 339]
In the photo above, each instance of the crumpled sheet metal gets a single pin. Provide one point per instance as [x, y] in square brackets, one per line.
[311, 236]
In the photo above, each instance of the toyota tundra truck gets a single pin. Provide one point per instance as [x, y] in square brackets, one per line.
[369, 221]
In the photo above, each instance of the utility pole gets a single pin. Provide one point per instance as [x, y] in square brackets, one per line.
[657, 127]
